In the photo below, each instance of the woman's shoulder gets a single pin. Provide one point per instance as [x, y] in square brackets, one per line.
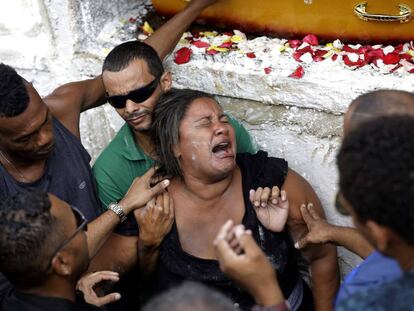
[260, 170]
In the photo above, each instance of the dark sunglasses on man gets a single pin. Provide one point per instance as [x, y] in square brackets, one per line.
[81, 224]
[138, 96]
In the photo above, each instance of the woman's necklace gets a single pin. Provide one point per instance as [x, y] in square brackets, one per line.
[13, 166]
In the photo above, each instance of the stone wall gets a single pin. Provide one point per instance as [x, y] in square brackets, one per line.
[51, 42]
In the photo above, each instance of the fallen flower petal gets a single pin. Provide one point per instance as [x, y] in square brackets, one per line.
[226, 45]
[200, 44]
[298, 73]
[147, 28]
[183, 56]
[251, 55]
[294, 43]
[268, 70]
[391, 58]
[311, 39]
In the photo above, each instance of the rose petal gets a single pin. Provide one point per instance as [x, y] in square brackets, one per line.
[307, 49]
[311, 39]
[297, 56]
[298, 73]
[349, 62]
[226, 45]
[200, 44]
[391, 58]
[396, 67]
[334, 57]
[347, 48]
[251, 55]
[183, 56]
[294, 43]
[267, 70]
[212, 52]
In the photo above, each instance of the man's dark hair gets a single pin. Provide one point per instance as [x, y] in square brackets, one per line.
[122, 55]
[190, 296]
[380, 103]
[376, 169]
[28, 237]
[167, 116]
[14, 98]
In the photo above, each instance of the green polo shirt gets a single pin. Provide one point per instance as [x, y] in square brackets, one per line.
[123, 160]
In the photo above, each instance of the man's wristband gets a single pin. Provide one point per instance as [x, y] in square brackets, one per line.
[283, 306]
[114, 206]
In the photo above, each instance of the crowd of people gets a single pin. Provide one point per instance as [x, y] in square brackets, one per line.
[181, 212]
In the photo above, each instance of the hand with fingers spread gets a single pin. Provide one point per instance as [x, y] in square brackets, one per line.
[89, 282]
[155, 220]
[319, 229]
[243, 261]
[140, 192]
[271, 206]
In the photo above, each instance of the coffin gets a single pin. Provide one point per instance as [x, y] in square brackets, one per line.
[374, 21]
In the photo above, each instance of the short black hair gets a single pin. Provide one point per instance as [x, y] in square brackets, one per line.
[167, 116]
[380, 103]
[122, 55]
[376, 173]
[29, 235]
[14, 98]
[190, 296]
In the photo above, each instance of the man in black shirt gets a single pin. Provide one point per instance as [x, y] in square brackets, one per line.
[43, 252]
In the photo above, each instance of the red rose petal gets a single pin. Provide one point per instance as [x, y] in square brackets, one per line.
[348, 62]
[298, 73]
[318, 59]
[132, 20]
[398, 48]
[335, 57]
[347, 48]
[251, 55]
[311, 39]
[297, 56]
[372, 55]
[392, 58]
[182, 56]
[200, 44]
[226, 45]
[305, 50]
[406, 56]
[411, 71]
[294, 43]
[228, 33]
[267, 70]
[396, 67]
[212, 52]
[320, 53]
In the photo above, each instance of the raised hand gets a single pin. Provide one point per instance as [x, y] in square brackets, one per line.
[89, 282]
[246, 264]
[155, 220]
[271, 206]
[319, 229]
[140, 192]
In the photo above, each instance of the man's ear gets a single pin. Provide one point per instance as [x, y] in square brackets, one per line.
[166, 81]
[177, 152]
[61, 264]
[380, 234]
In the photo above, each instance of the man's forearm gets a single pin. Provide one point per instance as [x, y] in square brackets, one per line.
[351, 239]
[166, 37]
[325, 276]
[147, 257]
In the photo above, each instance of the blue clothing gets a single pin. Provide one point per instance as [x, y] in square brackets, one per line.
[374, 271]
[68, 175]
[394, 295]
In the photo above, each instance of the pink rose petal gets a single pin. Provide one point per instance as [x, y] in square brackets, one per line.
[183, 56]
[298, 73]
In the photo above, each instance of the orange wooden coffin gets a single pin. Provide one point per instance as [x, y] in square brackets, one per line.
[375, 21]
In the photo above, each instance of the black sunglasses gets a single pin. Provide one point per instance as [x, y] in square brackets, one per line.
[137, 96]
[81, 224]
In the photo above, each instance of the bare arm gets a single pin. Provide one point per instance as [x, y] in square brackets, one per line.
[322, 257]
[166, 37]
[320, 232]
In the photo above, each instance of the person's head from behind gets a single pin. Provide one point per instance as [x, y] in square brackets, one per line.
[376, 169]
[192, 136]
[190, 296]
[41, 238]
[134, 78]
[376, 104]
[25, 121]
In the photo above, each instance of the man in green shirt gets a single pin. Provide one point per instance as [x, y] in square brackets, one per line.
[134, 79]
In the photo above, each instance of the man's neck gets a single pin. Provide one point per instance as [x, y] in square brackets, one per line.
[53, 289]
[404, 254]
[144, 141]
[22, 169]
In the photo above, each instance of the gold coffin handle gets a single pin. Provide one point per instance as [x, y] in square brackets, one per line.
[405, 14]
